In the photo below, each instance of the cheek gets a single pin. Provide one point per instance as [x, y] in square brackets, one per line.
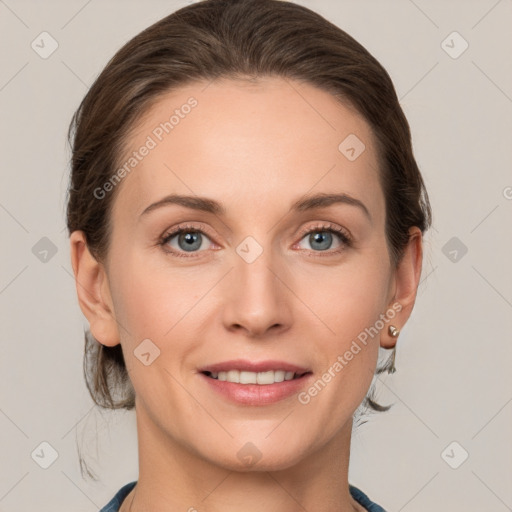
[352, 297]
[150, 301]
[151, 298]
[151, 304]
[350, 302]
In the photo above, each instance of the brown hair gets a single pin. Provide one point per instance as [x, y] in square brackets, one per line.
[236, 39]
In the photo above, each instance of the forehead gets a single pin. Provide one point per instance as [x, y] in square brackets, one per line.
[250, 144]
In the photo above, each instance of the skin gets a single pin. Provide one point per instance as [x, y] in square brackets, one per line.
[295, 302]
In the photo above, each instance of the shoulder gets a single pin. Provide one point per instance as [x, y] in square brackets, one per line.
[114, 504]
[364, 500]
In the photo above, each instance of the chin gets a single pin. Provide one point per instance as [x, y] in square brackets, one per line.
[264, 456]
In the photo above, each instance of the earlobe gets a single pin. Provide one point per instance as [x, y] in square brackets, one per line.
[93, 291]
[406, 281]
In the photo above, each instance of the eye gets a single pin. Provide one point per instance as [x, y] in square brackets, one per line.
[189, 239]
[184, 239]
[320, 238]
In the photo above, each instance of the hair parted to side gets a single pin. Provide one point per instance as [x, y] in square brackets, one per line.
[236, 39]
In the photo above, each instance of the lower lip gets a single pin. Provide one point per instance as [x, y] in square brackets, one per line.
[257, 394]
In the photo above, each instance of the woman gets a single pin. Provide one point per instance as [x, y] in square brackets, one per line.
[246, 221]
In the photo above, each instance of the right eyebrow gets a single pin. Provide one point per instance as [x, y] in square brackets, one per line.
[193, 202]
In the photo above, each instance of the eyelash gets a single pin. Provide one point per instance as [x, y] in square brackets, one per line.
[345, 238]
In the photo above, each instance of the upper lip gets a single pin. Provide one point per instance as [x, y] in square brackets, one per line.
[254, 366]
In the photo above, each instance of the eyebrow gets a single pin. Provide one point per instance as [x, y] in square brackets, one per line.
[205, 204]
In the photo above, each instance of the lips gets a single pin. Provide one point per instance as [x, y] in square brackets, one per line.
[255, 367]
[255, 383]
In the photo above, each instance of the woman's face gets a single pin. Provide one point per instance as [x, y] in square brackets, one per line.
[245, 282]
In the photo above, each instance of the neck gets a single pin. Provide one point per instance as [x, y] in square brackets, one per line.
[171, 478]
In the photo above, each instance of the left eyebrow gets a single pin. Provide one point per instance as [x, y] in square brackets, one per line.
[205, 204]
[325, 200]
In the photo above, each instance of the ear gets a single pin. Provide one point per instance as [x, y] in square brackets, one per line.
[93, 291]
[405, 283]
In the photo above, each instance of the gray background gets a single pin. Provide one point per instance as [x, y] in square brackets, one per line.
[453, 382]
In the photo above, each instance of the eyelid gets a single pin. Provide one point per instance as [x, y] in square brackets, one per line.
[327, 226]
[197, 226]
[184, 227]
[343, 233]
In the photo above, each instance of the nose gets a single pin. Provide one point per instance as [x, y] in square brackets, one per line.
[257, 298]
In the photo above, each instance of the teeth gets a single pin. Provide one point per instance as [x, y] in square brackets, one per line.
[243, 377]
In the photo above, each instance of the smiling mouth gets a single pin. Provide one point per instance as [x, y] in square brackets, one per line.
[262, 378]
